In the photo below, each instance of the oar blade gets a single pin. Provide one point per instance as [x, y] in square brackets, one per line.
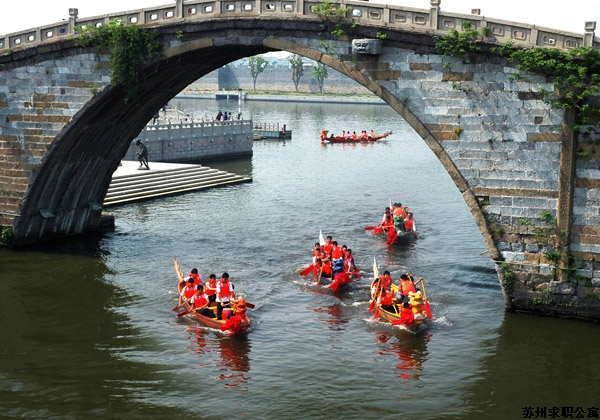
[376, 316]
[428, 310]
[184, 312]
[307, 270]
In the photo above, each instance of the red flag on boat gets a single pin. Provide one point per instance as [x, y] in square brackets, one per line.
[392, 236]
[338, 280]
[406, 318]
[233, 324]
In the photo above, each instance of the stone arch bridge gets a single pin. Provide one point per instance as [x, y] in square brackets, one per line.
[532, 185]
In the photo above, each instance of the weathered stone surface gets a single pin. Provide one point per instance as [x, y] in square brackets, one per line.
[505, 148]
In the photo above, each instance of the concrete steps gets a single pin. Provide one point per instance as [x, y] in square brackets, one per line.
[129, 184]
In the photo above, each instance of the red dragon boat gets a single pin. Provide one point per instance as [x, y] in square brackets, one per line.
[416, 315]
[361, 139]
[228, 326]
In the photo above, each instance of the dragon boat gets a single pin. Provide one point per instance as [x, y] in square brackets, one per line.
[331, 274]
[412, 316]
[394, 231]
[237, 323]
[362, 139]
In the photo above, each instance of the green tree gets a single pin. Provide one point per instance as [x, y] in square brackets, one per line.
[320, 73]
[257, 65]
[297, 69]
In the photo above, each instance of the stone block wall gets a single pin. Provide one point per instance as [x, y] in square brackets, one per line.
[37, 99]
[504, 148]
[195, 141]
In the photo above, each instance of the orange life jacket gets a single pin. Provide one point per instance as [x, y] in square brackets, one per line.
[225, 290]
[317, 255]
[386, 298]
[211, 287]
[386, 280]
[189, 291]
[197, 278]
[399, 212]
[336, 252]
[199, 301]
[408, 224]
[407, 286]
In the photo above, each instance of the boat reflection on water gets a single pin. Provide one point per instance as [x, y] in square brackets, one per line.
[337, 320]
[230, 355]
[234, 361]
[411, 349]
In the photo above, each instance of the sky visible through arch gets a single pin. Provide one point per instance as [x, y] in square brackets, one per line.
[565, 15]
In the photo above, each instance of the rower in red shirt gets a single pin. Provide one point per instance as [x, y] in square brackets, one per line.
[210, 288]
[199, 302]
[195, 276]
[386, 280]
[328, 245]
[224, 294]
[187, 292]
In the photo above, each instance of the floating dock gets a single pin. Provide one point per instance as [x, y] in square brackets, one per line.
[265, 131]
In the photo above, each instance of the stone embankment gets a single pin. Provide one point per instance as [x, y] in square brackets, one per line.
[130, 184]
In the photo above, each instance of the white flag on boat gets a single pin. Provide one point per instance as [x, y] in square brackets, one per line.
[375, 270]
[321, 239]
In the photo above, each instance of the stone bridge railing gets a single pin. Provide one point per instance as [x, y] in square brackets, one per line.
[432, 20]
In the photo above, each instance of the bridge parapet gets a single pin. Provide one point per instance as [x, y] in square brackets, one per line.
[432, 20]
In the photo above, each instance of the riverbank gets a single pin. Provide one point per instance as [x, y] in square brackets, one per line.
[288, 97]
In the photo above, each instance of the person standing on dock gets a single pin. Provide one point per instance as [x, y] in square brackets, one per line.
[142, 155]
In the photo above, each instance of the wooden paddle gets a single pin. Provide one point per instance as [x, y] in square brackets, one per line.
[376, 315]
[426, 304]
[182, 303]
[371, 227]
[320, 274]
[184, 312]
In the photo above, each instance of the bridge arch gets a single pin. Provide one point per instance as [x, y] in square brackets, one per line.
[65, 129]
[66, 189]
